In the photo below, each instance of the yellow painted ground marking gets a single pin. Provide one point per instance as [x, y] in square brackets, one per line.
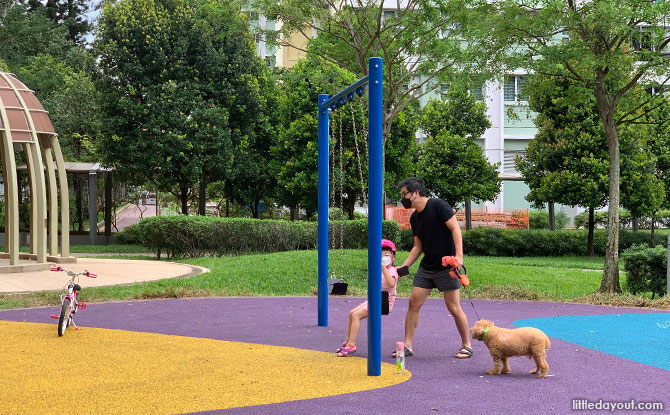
[102, 371]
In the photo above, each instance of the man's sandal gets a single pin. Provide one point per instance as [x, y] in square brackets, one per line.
[464, 350]
[407, 353]
[346, 352]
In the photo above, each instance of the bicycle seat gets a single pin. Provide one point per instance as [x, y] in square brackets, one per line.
[77, 287]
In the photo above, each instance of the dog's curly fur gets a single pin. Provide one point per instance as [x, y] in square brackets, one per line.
[504, 343]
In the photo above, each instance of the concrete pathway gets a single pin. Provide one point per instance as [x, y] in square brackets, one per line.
[110, 272]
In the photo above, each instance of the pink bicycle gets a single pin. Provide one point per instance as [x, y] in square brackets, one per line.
[69, 301]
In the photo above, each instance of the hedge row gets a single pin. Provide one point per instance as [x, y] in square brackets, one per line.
[513, 242]
[646, 269]
[194, 236]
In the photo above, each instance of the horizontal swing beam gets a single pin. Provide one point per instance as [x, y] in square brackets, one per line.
[346, 92]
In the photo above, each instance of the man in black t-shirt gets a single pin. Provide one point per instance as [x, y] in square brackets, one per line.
[436, 234]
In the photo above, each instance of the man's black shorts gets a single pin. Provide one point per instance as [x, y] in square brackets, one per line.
[436, 279]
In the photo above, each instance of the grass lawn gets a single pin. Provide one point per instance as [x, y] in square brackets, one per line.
[294, 274]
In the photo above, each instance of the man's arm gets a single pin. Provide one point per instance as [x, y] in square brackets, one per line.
[455, 229]
[414, 254]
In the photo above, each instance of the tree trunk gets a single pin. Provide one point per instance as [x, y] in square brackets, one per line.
[227, 208]
[653, 223]
[202, 199]
[184, 200]
[254, 209]
[610, 282]
[468, 214]
[552, 218]
[591, 226]
[636, 225]
[292, 209]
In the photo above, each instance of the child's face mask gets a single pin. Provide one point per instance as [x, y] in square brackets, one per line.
[387, 257]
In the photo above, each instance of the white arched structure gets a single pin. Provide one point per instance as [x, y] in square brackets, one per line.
[25, 126]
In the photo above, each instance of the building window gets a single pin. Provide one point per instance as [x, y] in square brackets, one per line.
[509, 162]
[253, 16]
[565, 36]
[444, 91]
[478, 90]
[271, 61]
[642, 40]
[513, 88]
[388, 14]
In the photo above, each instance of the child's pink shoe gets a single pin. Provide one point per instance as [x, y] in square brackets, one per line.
[346, 352]
[339, 349]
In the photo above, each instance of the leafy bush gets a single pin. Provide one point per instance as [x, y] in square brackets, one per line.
[406, 240]
[194, 236]
[131, 235]
[539, 219]
[521, 242]
[646, 269]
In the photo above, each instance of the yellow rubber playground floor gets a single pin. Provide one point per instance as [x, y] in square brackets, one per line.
[96, 371]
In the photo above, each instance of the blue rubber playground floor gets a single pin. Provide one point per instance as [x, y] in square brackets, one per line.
[642, 338]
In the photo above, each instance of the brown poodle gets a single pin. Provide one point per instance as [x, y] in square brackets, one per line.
[504, 343]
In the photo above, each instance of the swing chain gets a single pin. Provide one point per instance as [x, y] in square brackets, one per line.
[341, 203]
[358, 157]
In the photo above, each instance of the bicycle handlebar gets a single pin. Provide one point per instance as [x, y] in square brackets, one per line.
[85, 272]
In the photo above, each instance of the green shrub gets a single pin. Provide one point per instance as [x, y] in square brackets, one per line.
[540, 242]
[194, 236]
[539, 219]
[646, 269]
[130, 235]
[406, 240]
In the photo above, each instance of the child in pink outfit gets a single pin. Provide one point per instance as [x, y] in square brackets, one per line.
[389, 282]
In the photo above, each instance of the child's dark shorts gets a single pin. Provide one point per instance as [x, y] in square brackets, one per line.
[436, 279]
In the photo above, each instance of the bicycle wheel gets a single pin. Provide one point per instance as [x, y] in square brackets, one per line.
[64, 319]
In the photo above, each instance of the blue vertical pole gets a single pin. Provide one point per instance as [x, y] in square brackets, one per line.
[323, 151]
[375, 154]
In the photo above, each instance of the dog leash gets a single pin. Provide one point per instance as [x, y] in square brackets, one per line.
[473, 307]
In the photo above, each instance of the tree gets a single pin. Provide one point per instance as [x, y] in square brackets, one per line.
[596, 53]
[455, 169]
[25, 34]
[72, 15]
[419, 41]
[402, 152]
[461, 113]
[295, 152]
[180, 86]
[642, 189]
[566, 162]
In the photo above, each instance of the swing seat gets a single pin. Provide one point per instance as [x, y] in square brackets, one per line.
[337, 286]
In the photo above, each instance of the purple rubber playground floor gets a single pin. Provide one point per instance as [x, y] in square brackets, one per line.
[439, 383]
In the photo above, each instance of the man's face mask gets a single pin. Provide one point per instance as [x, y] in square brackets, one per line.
[406, 201]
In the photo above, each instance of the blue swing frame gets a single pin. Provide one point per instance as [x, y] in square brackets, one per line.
[375, 203]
